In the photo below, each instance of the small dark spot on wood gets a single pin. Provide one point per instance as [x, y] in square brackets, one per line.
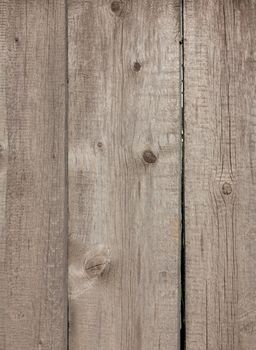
[149, 156]
[115, 6]
[16, 39]
[226, 188]
[100, 144]
[136, 66]
[163, 277]
[21, 315]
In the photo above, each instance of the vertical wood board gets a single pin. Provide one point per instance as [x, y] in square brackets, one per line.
[124, 204]
[220, 174]
[32, 201]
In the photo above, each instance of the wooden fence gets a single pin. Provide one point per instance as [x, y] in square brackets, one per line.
[127, 175]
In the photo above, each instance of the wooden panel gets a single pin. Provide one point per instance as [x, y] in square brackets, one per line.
[32, 234]
[124, 203]
[220, 174]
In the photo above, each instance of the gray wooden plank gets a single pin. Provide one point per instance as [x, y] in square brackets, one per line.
[124, 204]
[32, 234]
[220, 174]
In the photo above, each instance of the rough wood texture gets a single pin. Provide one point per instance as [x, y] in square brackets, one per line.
[123, 201]
[32, 235]
[220, 169]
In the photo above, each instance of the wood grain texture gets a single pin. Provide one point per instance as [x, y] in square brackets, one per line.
[220, 174]
[32, 235]
[123, 201]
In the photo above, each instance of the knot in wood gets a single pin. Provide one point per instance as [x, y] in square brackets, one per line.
[115, 6]
[97, 262]
[226, 188]
[149, 156]
[136, 66]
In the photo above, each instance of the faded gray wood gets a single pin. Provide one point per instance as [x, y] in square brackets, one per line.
[124, 204]
[32, 234]
[220, 174]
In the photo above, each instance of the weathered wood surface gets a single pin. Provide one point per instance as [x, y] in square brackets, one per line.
[220, 174]
[124, 203]
[32, 236]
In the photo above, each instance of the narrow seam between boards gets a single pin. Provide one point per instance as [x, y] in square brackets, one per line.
[66, 150]
[182, 188]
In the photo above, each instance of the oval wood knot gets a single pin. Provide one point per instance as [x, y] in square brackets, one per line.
[97, 262]
[136, 66]
[226, 188]
[149, 157]
[115, 6]
[85, 268]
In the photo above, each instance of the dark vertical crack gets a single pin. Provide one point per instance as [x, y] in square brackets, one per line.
[66, 214]
[182, 137]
